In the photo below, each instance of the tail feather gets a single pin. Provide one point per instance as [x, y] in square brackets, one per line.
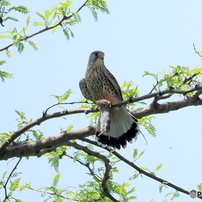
[123, 129]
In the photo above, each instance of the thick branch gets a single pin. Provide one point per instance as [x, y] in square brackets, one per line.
[39, 121]
[153, 108]
[48, 144]
[156, 108]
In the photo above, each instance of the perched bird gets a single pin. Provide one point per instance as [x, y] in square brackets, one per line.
[100, 84]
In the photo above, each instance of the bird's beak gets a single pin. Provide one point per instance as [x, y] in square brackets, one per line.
[100, 55]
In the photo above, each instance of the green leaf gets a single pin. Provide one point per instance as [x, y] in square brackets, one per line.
[37, 135]
[28, 21]
[4, 36]
[2, 62]
[199, 187]
[97, 5]
[11, 18]
[21, 114]
[5, 3]
[4, 174]
[33, 45]
[69, 128]
[137, 156]
[39, 24]
[63, 97]
[135, 152]
[8, 53]
[66, 33]
[54, 190]
[162, 185]
[146, 122]
[25, 186]
[47, 14]
[5, 75]
[20, 9]
[20, 46]
[55, 29]
[14, 184]
[56, 179]
[40, 15]
[159, 167]
[134, 176]
[54, 161]
[55, 156]
[169, 194]
[175, 195]
[144, 168]
[76, 16]
[4, 137]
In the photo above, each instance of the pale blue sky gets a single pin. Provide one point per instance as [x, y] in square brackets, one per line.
[137, 36]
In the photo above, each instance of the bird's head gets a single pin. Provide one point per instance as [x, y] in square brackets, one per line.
[96, 59]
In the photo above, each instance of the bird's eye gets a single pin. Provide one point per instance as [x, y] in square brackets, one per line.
[96, 54]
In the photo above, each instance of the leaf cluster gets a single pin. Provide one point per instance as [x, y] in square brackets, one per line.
[181, 78]
[6, 11]
[97, 5]
[4, 75]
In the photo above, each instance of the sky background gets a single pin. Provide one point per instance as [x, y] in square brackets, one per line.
[137, 36]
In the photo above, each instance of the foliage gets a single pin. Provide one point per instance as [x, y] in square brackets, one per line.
[4, 75]
[180, 78]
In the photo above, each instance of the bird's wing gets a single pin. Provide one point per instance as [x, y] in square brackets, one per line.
[84, 89]
[113, 82]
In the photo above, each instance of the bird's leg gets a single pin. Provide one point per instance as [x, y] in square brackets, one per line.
[101, 133]
[105, 115]
[103, 103]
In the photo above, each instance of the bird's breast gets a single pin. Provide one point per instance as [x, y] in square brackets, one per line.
[99, 86]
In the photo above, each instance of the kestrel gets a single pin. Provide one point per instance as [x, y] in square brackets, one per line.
[99, 84]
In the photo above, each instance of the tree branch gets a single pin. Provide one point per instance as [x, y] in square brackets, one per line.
[87, 165]
[48, 144]
[131, 164]
[107, 167]
[196, 50]
[153, 108]
[149, 174]
[9, 177]
[156, 108]
[45, 29]
[41, 120]
[158, 95]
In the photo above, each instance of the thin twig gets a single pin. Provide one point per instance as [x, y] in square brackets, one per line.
[107, 167]
[196, 50]
[63, 103]
[154, 87]
[87, 165]
[131, 164]
[45, 29]
[9, 177]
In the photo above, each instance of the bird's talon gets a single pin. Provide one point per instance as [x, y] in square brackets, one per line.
[104, 102]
